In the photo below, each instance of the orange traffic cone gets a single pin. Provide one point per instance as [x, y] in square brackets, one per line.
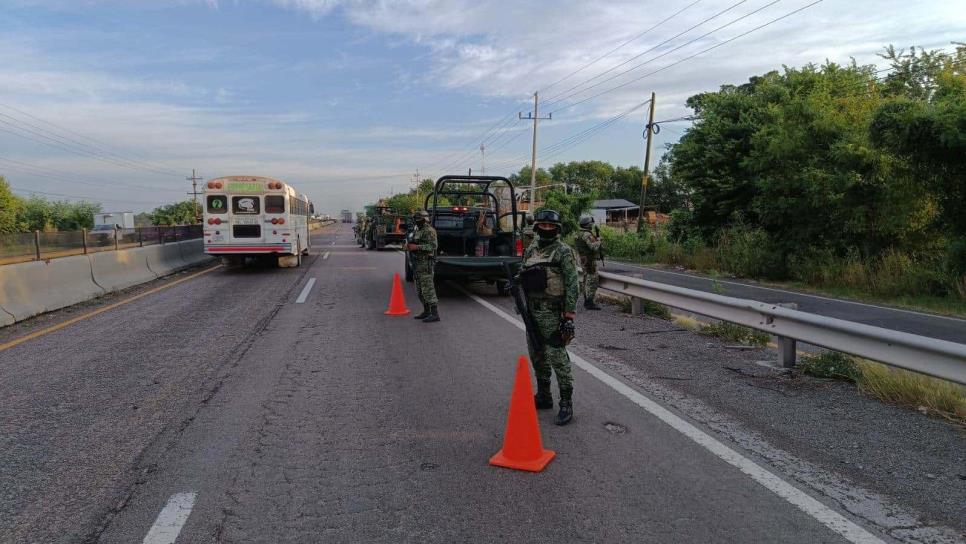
[522, 446]
[397, 302]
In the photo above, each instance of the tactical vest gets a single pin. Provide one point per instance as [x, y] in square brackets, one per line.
[555, 283]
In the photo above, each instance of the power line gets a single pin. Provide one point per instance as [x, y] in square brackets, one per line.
[75, 197]
[68, 177]
[634, 38]
[557, 96]
[71, 148]
[685, 59]
[98, 147]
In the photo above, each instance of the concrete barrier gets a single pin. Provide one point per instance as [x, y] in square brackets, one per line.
[28, 289]
[164, 259]
[193, 252]
[116, 270]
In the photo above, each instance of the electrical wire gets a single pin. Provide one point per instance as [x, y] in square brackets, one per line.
[96, 147]
[685, 59]
[563, 95]
[614, 50]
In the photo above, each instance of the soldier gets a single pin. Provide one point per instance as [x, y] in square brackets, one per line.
[422, 257]
[588, 248]
[549, 278]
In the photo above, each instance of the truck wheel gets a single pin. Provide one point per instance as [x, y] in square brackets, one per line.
[502, 288]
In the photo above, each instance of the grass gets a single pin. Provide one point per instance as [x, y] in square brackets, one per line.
[730, 332]
[893, 278]
[928, 395]
[650, 308]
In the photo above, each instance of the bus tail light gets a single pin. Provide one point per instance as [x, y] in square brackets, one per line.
[281, 220]
[519, 247]
[214, 185]
[216, 221]
[274, 220]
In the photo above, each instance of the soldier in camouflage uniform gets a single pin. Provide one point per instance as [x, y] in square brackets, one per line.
[552, 310]
[422, 246]
[588, 249]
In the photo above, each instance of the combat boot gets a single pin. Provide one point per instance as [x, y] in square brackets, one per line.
[423, 315]
[591, 305]
[565, 414]
[543, 399]
[433, 314]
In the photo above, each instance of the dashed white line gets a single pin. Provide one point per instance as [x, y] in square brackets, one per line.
[798, 498]
[172, 518]
[305, 291]
[325, 255]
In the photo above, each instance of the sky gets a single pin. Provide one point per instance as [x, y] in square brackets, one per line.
[116, 101]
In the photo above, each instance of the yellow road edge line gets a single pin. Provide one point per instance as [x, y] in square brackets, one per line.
[36, 334]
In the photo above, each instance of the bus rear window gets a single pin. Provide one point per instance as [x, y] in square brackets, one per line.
[244, 205]
[274, 204]
[217, 204]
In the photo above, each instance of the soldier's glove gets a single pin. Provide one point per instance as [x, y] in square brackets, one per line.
[567, 331]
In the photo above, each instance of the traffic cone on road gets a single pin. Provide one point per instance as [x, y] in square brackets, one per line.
[522, 446]
[397, 302]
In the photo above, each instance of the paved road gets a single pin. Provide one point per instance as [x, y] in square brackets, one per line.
[934, 326]
[258, 419]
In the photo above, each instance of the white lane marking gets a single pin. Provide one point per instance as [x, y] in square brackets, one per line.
[804, 502]
[305, 291]
[325, 255]
[171, 519]
[796, 293]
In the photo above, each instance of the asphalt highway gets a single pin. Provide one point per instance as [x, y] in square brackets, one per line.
[257, 405]
[942, 327]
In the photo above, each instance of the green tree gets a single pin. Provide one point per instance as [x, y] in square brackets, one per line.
[178, 213]
[10, 207]
[569, 206]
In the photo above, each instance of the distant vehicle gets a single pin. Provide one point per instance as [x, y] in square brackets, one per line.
[346, 216]
[255, 216]
[112, 220]
[385, 228]
[476, 237]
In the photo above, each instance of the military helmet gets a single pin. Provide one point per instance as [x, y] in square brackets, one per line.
[586, 221]
[547, 216]
[420, 214]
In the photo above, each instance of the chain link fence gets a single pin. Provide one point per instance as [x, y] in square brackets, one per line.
[33, 246]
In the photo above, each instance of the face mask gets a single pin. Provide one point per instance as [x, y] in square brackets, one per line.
[547, 234]
[421, 221]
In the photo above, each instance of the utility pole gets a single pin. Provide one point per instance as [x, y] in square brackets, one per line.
[483, 158]
[194, 179]
[534, 116]
[648, 133]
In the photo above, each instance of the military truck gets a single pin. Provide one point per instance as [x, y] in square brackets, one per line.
[477, 234]
[385, 227]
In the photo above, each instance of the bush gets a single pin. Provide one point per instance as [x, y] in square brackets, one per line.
[731, 332]
[749, 252]
[830, 365]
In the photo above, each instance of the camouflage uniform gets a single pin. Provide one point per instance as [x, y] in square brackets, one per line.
[588, 248]
[546, 308]
[423, 260]
[526, 236]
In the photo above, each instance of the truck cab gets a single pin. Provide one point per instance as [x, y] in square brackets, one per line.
[477, 228]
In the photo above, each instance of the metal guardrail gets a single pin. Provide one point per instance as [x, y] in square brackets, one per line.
[939, 358]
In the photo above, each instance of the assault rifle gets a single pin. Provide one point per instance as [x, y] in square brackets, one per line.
[601, 250]
[521, 304]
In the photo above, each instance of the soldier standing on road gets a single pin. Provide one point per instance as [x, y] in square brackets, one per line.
[549, 278]
[422, 246]
[588, 248]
